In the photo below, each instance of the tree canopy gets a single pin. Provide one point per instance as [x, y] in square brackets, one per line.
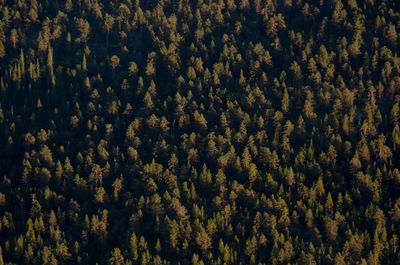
[199, 132]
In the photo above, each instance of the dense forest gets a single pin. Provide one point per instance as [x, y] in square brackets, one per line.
[199, 132]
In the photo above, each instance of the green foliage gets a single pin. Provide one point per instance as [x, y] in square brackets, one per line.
[199, 132]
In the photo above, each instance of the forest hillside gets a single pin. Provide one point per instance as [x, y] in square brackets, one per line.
[199, 132]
